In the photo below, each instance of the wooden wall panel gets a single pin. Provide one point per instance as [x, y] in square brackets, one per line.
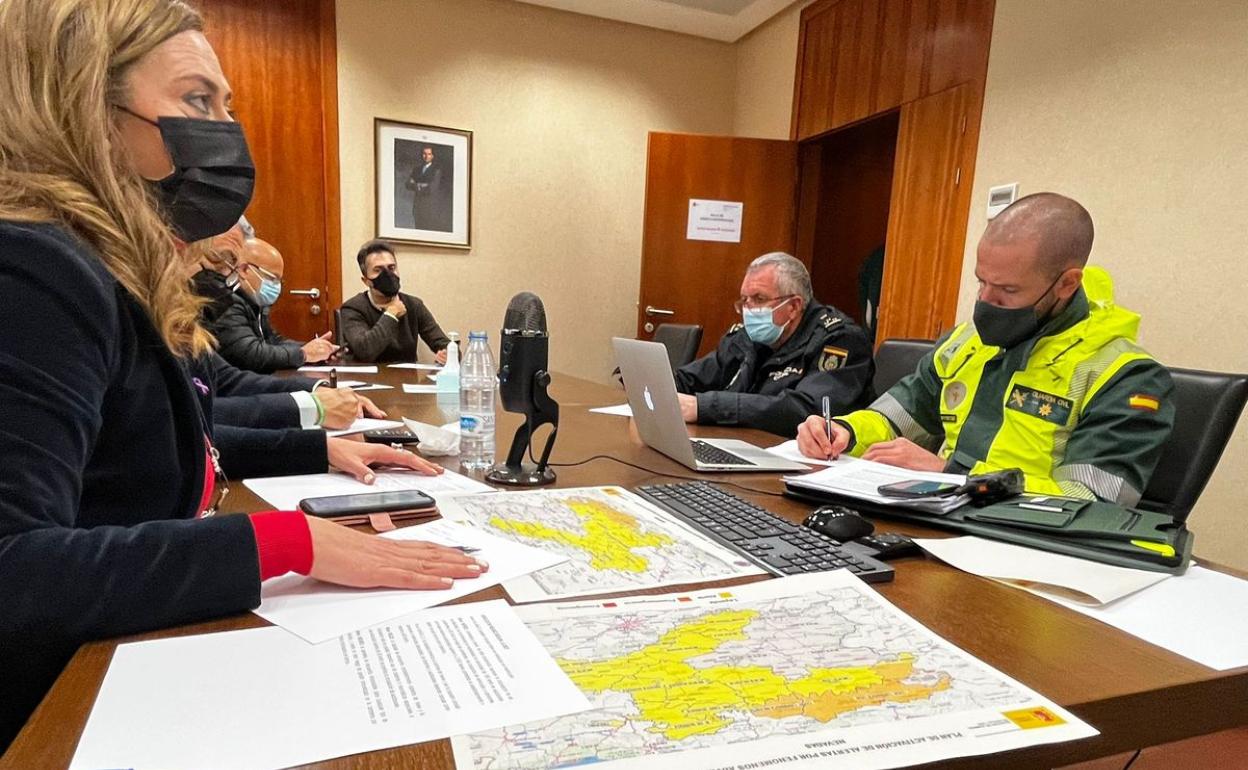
[927, 222]
[280, 59]
[858, 58]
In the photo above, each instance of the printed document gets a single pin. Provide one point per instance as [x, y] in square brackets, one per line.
[320, 611]
[264, 699]
[365, 423]
[861, 480]
[285, 492]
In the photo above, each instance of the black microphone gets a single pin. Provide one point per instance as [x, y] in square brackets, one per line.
[522, 381]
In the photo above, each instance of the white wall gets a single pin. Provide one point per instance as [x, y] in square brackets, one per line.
[560, 105]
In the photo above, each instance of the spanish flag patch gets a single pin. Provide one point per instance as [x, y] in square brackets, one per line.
[1144, 401]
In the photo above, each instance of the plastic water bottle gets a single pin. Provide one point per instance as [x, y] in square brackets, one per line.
[448, 378]
[478, 381]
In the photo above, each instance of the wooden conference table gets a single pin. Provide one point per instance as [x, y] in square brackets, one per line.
[1135, 694]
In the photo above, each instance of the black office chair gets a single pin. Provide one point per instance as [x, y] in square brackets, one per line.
[1207, 405]
[681, 341]
[895, 359]
[338, 336]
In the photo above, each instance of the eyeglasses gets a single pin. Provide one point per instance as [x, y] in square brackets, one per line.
[755, 302]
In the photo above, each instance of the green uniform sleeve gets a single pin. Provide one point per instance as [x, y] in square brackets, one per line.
[910, 409]
[1120, 435]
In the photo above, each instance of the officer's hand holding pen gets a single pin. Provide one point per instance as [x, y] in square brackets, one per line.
[822, 439]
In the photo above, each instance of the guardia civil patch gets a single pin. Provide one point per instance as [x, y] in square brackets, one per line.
[1037, 403]
[832, 358]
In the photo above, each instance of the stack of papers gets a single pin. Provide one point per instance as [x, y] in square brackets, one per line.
[861, 479]
[365, 423]
[285, 492]
[421, 388]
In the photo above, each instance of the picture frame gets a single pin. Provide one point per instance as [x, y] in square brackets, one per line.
[423, 178]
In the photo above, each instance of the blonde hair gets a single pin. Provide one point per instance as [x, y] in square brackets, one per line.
[63, 65]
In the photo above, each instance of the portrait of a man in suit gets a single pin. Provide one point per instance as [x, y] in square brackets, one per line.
[431, 185]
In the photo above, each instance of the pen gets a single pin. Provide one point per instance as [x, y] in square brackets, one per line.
[333, 378]
[827, 416]
[1048, 508]
[465, 549]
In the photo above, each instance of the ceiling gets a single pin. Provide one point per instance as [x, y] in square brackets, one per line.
[726, 20]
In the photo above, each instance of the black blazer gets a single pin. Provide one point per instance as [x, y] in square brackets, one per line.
[253, 400]
[101, 437]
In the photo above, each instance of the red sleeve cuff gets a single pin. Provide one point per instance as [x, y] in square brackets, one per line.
[283, 542]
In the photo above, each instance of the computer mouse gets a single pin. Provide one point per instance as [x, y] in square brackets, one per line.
[839, 523]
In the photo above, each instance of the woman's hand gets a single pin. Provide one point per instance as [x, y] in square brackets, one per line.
[357, 457]
[345, 557]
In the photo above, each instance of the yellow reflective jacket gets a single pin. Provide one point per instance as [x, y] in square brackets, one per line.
[1079, 407]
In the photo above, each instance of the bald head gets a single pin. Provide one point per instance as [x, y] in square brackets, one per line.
[1056, 229]
[262, 254]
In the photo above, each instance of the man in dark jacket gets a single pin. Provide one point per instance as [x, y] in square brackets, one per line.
[773, 370]
[382, 323]
[431, 193]
[242, 330]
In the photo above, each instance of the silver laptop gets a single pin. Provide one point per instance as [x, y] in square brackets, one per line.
[651, 389]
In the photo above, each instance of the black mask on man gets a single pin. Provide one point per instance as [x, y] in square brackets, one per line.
[1005, 327]
[213, 175]
[387, 282]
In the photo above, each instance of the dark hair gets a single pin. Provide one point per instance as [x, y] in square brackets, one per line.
[375, 246]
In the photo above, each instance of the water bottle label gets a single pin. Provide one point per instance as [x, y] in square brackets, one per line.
[470, 425]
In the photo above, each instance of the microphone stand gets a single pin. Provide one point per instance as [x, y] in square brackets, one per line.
[516, 472]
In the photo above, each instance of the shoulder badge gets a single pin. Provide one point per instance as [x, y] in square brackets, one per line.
[829, 321]
[1144, 401]
[832, 358]
[735, 328]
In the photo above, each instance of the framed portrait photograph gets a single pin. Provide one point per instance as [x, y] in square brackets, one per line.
[424, 184]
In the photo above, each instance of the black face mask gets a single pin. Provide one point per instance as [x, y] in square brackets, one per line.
[1005, 327]
[213, 176]
[387, 282]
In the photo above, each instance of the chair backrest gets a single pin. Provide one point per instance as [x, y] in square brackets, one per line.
[1207, 406]
[681, 341]
[895, 359]
[338, 335]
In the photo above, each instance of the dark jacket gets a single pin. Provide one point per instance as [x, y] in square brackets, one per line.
[744, 383]
[254, 400]
[210, 285]
[374, 336]
[245, 339]
[103, 452]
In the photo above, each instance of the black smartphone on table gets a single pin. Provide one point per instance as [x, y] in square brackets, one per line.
[915, 488]
[339, 506]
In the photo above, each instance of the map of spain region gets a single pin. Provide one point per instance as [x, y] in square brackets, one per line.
[761, 668]
[614, 541]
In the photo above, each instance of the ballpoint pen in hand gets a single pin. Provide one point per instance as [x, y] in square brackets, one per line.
[827, 417]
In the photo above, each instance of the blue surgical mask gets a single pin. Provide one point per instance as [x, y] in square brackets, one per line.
[759, 324]
[269, 291]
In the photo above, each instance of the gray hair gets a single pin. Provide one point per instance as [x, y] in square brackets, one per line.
[792, 277]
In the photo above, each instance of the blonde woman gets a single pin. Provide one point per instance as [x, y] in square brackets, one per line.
[115, 136]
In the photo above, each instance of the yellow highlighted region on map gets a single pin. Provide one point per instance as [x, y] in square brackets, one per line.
[683, 701]
[609, 536]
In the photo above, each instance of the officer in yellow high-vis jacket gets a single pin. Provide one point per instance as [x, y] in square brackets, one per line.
[1048, 378]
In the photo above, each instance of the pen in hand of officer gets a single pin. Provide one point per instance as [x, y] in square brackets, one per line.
[821, 437]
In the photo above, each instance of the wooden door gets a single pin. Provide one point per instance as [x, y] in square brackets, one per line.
[698, 281]
[280, 59]
[927, 220]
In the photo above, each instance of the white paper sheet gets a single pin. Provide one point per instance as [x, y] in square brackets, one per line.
[319, 611]
[620, 410]
[366, 423]
[1092, 582]
[341, 369]
[418, 367]
[860, 479]
[352, 384]
[285, 492]
[714, 220]
[614, 541]
[421, 388]
[1199, 615]
[789, 451]
[813, 671]
[264, 698]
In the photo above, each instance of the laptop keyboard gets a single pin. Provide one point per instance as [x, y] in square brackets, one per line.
[710, 454]
[772, 542]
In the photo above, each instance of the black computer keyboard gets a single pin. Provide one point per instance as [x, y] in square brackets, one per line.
[773, 543]
[713, 455]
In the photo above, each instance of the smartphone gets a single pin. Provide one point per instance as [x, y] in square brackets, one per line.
[369, 502]
[918, 488]
[391, 436]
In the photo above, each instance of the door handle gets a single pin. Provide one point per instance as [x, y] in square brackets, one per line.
[313, 293]
[651, 310]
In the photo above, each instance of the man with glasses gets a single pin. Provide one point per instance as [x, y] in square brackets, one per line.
[244, 334]
[774, 368]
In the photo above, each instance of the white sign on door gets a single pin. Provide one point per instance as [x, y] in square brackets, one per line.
[715, 220]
